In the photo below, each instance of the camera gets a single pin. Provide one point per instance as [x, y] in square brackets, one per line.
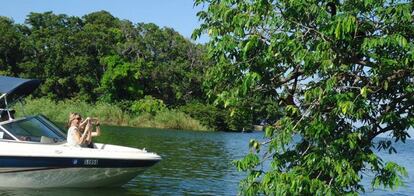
[94, 121]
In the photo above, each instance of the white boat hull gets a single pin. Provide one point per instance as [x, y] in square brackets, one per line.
[66, 177]
[58, 166]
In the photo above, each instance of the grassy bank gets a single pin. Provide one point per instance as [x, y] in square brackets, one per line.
[108, 114]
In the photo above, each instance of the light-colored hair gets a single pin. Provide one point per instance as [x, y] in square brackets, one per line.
[73, 116]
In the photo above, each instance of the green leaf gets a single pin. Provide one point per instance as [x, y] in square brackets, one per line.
[385, 85]
[364, 91]
[269, 131]
[250, 79]
[346, 107]
[250, 44]
[338, 31]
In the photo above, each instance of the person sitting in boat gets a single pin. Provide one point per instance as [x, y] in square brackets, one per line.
[80, 132]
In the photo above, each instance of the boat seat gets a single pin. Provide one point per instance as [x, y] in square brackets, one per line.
[46, 140]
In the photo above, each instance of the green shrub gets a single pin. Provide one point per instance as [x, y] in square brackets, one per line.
[110, 114]
[239, 119]
[148, 105]
[143, 120]
[208, 115]
[172, 119]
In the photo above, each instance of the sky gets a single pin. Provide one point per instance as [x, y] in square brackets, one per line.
[177, 14]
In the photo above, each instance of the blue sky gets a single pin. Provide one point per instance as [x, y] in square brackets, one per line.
[178, 14]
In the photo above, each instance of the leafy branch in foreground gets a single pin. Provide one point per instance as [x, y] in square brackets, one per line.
[341, 73]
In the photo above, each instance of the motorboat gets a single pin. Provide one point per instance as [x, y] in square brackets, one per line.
[34, 152]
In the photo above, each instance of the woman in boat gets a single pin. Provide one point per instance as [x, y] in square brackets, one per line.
[80, 132]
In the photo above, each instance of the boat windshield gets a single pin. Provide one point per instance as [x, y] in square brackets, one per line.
[34, 129]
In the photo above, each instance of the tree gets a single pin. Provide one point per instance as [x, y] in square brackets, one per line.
[99, 57]
[161, 62]
[65, 52]
[10, 53]
[47, 48]
[121, 79]
[341, 73]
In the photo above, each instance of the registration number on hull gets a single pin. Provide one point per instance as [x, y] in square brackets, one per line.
[90, 162]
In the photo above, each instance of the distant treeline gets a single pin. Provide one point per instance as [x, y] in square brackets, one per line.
[141, 68]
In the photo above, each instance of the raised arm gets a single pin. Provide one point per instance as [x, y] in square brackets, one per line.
[84, 122]
[97, 131]
[80, 139]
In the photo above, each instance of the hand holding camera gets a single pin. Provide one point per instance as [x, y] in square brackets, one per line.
[97, 123]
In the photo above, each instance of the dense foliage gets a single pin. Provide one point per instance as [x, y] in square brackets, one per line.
[336, 75]
[139, 67]
[101, 57]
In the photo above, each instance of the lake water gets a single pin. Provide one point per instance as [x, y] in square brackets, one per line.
[196, 163]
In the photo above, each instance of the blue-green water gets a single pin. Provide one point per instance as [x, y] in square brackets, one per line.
[196, 163]
[404, 157]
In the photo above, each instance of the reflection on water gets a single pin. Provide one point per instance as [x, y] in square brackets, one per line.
[196, 163]
[193, 162]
